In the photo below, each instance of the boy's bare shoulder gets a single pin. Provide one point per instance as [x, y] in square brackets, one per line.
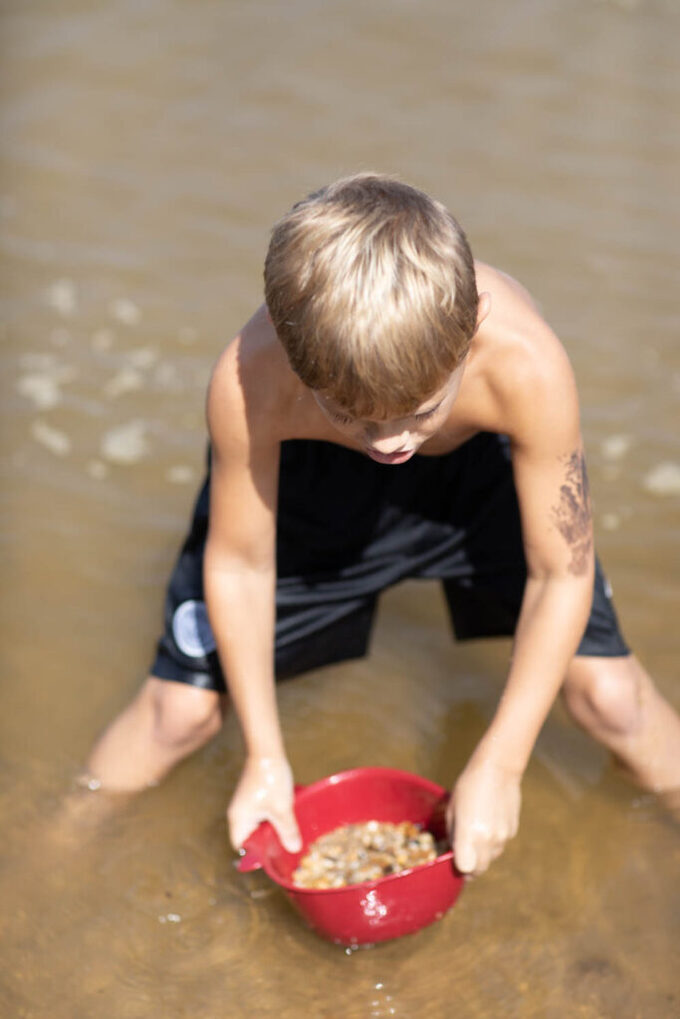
[518, 361]
[252, 386]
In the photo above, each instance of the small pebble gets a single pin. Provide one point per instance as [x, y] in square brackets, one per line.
[42, 390]
[664, 479]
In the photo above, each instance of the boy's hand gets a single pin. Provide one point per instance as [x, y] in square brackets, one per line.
[483, 813]
[264, 793]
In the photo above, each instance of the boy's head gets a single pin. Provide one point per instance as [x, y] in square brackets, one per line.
[371, 288]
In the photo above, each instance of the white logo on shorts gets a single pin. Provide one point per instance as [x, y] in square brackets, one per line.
[191, 629]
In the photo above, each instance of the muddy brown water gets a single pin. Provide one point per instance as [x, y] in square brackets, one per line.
[147, 145]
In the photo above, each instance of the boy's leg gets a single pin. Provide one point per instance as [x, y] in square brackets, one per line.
[164, 723]
[615, 701]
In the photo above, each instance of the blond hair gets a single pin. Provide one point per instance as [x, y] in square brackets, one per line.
[371, 287]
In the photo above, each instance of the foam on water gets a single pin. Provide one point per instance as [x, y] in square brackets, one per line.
[42, 386]
[62, 296]
[180, 474]
[125, 311]
[614, 447]
[128, 380]
[55, 441]
[127, 443]
[664, 479]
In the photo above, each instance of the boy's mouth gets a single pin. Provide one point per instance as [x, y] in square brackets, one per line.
[400, 457]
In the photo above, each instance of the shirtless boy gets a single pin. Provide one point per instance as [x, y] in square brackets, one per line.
[437, 435]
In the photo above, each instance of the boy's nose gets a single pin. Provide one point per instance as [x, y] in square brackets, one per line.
[388, 443]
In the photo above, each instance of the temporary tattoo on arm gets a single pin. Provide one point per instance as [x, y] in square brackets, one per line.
[572, 514]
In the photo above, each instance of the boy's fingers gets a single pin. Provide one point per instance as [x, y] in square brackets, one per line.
[288, 832]
[238, 833]
[465, 858]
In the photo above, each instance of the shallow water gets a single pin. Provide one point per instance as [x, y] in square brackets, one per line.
[147, 147]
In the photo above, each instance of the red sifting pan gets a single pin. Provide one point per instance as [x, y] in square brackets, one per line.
[374, 910]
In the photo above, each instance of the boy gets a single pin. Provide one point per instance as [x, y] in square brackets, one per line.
[393, 410]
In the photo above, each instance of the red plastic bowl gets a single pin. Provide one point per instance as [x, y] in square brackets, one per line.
[374, 910]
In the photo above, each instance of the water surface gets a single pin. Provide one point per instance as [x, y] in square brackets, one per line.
[147, 147]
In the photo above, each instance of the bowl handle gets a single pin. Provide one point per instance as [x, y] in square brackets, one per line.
[252, 851]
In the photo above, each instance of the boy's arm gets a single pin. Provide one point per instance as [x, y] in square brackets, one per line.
[551, 483]
[240, 578]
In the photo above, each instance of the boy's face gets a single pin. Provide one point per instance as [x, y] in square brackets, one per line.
[395, 440]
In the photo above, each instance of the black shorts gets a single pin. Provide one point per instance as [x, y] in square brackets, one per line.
[347, 528]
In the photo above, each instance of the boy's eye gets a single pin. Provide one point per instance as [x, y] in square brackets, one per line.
[426, 414]
[342, 419]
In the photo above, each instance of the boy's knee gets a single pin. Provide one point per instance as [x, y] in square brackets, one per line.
[604, 693]
[184, 716]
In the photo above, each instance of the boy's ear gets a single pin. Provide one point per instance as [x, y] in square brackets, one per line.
[484, 307]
